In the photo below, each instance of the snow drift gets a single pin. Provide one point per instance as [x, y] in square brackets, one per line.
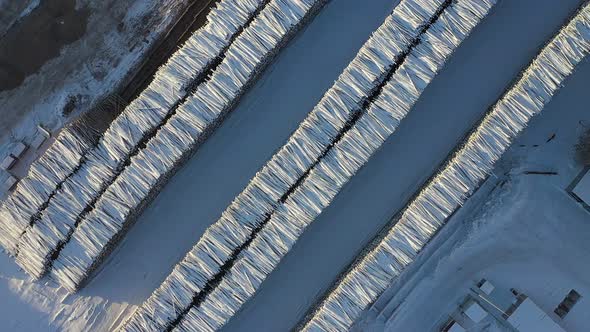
[456, 181]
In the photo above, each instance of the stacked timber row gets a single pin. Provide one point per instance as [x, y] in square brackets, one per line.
[44, 178]
[153, 135]
[165, 90]
[353, 119]
[130, 132]
[456, 181]
[193, 121]
[346, 157]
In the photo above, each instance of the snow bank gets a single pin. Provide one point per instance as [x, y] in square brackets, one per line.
[290, 168]
[181, 135]
[77, 194]
[459, 178]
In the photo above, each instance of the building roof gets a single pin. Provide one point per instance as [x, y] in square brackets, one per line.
[528, 317]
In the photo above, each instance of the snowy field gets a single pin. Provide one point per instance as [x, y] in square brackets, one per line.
[536, 232]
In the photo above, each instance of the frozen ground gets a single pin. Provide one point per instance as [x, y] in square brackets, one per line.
[200, 191]
[69, 54]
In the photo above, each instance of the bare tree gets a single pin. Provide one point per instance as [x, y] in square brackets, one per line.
[583, 148]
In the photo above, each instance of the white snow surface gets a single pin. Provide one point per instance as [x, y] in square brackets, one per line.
[528, 317]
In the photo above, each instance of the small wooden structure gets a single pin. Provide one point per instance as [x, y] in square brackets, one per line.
[513, 311]
[7, 163]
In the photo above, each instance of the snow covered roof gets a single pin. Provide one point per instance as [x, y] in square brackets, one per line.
[9, 183]
[19, 149]
[487, 287]
[529, 317]
[582, 189]
[456, 328]
[7, 162]
[40, 137]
